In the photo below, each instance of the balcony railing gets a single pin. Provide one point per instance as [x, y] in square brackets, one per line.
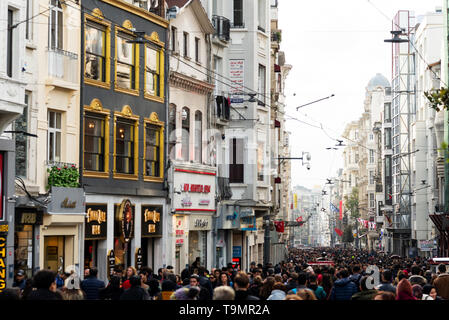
[63, 64]
[238, 25]
[222, 27]
[401, 221]
[156, 7]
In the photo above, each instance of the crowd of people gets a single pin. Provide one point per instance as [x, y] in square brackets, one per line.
[349, 276]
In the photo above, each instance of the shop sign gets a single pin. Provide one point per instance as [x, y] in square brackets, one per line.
[4, 228]
[139, 259]
[236, 251]
[179, 242]
[125, 220]
[2, 263]
[29, 216]
[246, 212]
[426, 245]
[111, 263]
[96, 222]
[1, 188]
[186, 202]
[151, 221]
[248, 224]
[204, 202]
[200, 222]
[66, 200]
[196, 188]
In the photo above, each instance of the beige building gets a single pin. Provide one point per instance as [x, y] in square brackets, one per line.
[51, 71]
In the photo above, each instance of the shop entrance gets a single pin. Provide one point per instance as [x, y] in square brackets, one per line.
[54, 253]
[90, 253]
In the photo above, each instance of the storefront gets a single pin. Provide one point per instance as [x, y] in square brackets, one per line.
[27, 222]
[193, 206]
[61, 235]
[123, 232]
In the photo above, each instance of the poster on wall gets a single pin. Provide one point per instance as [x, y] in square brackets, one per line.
[237, 76]
[125, 217]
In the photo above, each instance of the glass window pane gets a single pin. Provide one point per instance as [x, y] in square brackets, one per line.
[58, 120]
[95, 40]
[124, 51]
[94, 67]
[152, 59]
[124, 75]
[58, 147]
[150, 83]
[51, 119]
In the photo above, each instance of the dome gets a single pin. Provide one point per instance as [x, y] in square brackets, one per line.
[378, 80]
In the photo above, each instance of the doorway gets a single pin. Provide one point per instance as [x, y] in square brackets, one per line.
[54, 253]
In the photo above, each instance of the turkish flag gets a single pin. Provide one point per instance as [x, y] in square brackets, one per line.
[299, 219]
[339, 232]
[279, 226]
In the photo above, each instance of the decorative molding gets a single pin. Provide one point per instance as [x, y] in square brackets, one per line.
[96, 105]
[188, 83]
[126, 110]
[97, 13]
[127, 24]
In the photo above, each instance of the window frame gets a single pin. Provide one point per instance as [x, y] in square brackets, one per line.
[154, 121]
[186, 45]
[233, 162]
[98, 19]
[127, 114]
[185, 145]
[198, 145]
[55, 131]
[10, 43]
[154, 39]
[125, 31]
[59, 26]
[96, 107]
[197, 50]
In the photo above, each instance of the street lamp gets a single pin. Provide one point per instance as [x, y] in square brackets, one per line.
[396, 38]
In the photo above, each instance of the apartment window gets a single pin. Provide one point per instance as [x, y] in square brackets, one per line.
[172, 131]
[126, 63]
[54, 136]
[238, 13]
[198, 137]
[371, 177]
[262, 15]
[96, 59]
[387, 136]
[262, 86]
[94, 142]
[153, 149]
[186, 44]
[371, 156]
[28, 23]
[356, 158]
[125, 152]
[21, 124]
[260, 161]
[372, 203]
[174, 35]
[185, 134]
[236, 164]
[387, 112]
[153, 72]
[9, 50]
[197, 50]
[55, 24]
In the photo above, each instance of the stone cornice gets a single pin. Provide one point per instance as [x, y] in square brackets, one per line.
[188, 83]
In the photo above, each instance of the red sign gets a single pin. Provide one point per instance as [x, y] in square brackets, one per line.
[179, 232]
[196, 188]
[1, 186]
[179, 241]
[341, 209]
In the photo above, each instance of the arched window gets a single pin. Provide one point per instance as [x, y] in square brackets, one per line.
[172, 131]
[185, 117]
[55, 25]
[198, 136]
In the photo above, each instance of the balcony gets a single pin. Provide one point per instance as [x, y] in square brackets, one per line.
[401, 222]
[222, 27]
[222, 109]
[63, 65]
[238, 25]
[156, 7]
[276, 36]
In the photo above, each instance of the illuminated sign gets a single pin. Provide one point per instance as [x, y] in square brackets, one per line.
[2, 263]
[151, 221]
[96, 226]
[196, 188]
[1, 187]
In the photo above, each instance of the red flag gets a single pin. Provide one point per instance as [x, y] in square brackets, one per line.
[299, 219]
[339, 232]
[279, 226]
[341, 210]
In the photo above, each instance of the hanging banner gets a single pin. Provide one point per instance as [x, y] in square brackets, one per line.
[341, 209]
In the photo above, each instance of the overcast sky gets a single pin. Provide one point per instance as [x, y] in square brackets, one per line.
[335, 47]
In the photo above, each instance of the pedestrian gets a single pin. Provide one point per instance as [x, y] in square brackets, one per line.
[385, 284]
[10, 294]
[292, 281]
[224, 280]
[223, 293]
[203, 291]
[404, 290]
[317, 290]
[416, 277]
[343, 288]
[306, 294]
[429, 292]
[292, 297]
[45, 283]
[364, 293]
[20, 280]
[135, 292]
[417, 291]
[28, 288]
[154, 289]
[204, 281]
[278, 292]
[168, 287]
[384, 295]
[356, 276]
[185, 294]
[91, 286]
[114, 289]
[254, 288]
[266, 288]
[130, 271]
[327, 284]
[241, 285]
[441, 283]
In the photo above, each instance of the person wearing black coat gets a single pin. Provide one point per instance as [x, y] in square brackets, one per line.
[205, 282]
[136, 292]
[113, 291]
[195, 282]
[241, 284]
[45, 283]
[91, 286]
